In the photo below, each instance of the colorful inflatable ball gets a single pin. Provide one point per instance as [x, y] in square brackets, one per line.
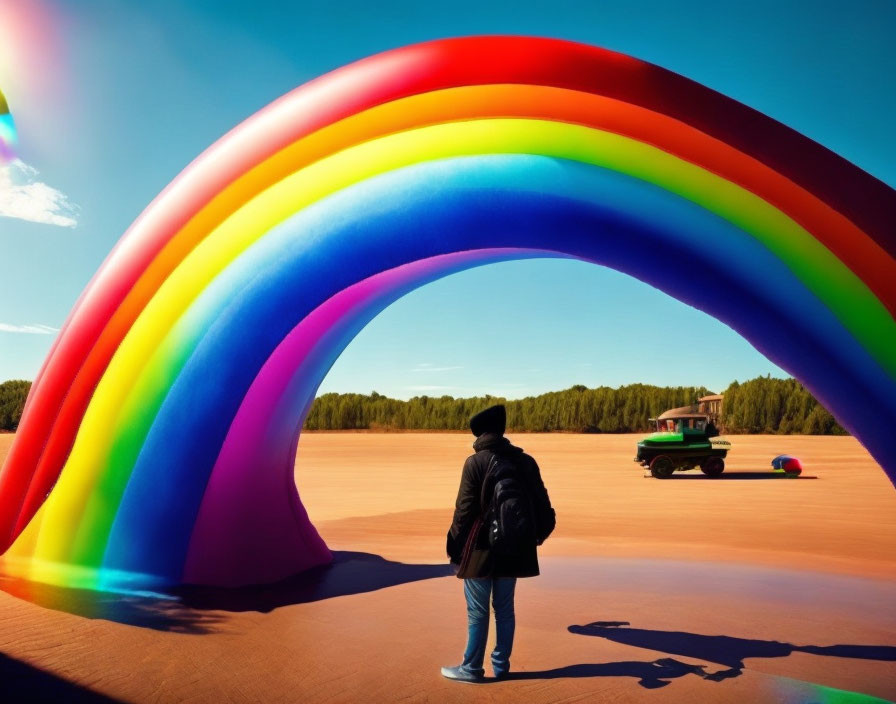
[791, 466]
[158, 444]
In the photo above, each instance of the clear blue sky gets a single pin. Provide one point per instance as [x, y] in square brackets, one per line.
[132, 91]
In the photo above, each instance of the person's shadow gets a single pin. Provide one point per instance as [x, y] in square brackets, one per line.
[650, 675]
[190, 609]
[722, 650]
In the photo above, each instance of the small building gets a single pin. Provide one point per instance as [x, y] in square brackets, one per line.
[698, 415]
[686, 416]
[712, 406]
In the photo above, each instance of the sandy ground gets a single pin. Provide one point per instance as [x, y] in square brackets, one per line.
[749, 588]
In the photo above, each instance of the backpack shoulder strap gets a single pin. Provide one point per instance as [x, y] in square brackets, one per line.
[488, 484]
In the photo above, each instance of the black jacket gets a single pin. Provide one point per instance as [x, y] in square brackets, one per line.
[468, 508]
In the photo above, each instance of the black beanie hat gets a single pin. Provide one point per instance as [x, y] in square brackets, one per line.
[491, 420]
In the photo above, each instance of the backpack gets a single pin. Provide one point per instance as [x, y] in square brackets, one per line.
[508, 514]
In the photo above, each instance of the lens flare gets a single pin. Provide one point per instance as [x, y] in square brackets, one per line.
[8, 139]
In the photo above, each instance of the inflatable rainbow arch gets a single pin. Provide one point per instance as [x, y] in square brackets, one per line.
[158, 443]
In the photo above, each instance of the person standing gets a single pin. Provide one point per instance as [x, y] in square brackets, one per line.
[488, 573]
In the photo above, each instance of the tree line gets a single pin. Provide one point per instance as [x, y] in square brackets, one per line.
[781, 406]
[577, 409]
[762, 405]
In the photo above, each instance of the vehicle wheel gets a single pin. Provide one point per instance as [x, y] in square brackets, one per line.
[662, 467]
[713, 466]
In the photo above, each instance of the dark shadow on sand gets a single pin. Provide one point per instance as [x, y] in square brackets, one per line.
[25, 683]
[191, 609]
[727, 651]
[737, 476]
[349, 573]
[161, 613]
[650, 675]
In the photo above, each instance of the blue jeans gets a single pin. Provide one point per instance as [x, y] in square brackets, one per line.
[477, 592]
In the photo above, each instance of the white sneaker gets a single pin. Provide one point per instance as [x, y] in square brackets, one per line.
[461, 675]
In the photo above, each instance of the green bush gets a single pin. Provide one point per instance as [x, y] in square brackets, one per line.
[12, 401]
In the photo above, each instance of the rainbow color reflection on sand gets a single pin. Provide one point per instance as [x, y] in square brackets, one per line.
[791, 691]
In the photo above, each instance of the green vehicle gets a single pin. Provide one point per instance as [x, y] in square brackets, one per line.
[684, 440]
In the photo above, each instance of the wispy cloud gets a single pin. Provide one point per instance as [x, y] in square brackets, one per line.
[429, 367]
[28, 329]
[24, 196]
